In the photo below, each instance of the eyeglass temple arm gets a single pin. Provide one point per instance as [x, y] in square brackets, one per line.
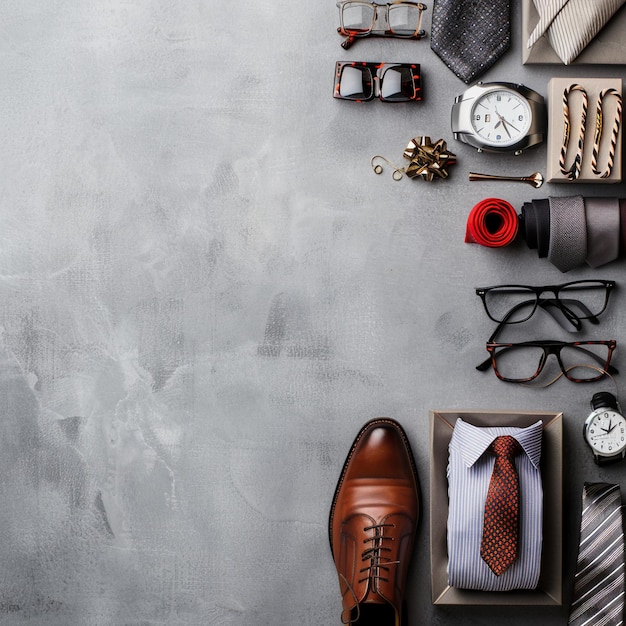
[545, 305]
[348, 41]
[487, 363]
[574, 319]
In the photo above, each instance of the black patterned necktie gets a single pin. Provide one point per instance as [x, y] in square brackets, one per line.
[599, 584]
[470, 35]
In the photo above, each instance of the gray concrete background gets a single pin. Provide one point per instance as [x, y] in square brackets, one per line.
[205, 292]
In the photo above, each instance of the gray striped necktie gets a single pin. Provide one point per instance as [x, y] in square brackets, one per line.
[568, 232]
[599, 588]
[570, 25]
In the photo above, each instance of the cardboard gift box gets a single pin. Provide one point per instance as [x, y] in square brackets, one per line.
[593, 87]
[549, 590]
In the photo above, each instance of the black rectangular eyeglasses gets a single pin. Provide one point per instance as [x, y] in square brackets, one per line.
[579, 361]
[390, 82]
[395, 19]
[577, 300]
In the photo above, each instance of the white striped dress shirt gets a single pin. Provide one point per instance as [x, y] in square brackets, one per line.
[469, 473]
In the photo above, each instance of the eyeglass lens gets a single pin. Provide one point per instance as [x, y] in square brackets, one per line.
[356, 83]
[583, 298]
[404, 19]
[357, 18]
[524, 362]
[397, 83]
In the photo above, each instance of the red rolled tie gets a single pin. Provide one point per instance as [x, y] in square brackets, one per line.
[492, 223]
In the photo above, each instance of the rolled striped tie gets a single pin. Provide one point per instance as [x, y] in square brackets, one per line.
[599, 583]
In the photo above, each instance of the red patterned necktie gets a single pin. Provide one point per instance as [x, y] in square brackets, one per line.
[501, 522]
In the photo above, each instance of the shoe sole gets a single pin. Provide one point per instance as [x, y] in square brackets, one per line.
[366, 427]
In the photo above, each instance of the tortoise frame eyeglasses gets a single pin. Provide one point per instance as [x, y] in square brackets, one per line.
[358, 18]
[390, 82]
[591, 357]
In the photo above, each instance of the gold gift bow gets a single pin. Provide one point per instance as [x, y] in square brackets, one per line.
[426, 159]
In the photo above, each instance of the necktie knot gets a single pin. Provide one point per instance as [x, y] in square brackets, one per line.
[505, 447]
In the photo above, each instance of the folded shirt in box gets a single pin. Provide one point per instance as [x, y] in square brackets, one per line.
[469, 472]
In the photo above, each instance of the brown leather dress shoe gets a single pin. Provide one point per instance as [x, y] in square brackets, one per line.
[373, 521]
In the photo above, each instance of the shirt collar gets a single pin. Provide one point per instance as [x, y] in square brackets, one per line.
[474, 440]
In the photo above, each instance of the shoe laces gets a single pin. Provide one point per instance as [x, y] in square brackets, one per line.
[377, 564]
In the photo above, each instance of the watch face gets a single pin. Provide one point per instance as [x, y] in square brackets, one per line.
[606, 432]
[501, 117]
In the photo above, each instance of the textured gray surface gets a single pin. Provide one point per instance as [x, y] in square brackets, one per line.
[205, 292]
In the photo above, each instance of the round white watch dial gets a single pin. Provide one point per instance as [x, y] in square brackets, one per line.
[501, 117]
[606, 432]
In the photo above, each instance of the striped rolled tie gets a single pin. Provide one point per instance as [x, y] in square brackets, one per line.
[599, 583]
[570, 25]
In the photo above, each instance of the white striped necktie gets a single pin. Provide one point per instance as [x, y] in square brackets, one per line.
[570, 25]
[599, 584]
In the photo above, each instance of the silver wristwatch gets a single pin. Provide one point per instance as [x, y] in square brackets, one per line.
[499, 117]
[605, 429]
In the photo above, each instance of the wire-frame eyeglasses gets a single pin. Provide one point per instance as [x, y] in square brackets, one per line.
[577, 300]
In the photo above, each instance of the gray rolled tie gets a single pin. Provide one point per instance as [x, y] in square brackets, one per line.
[568, 232]
[603, 230]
